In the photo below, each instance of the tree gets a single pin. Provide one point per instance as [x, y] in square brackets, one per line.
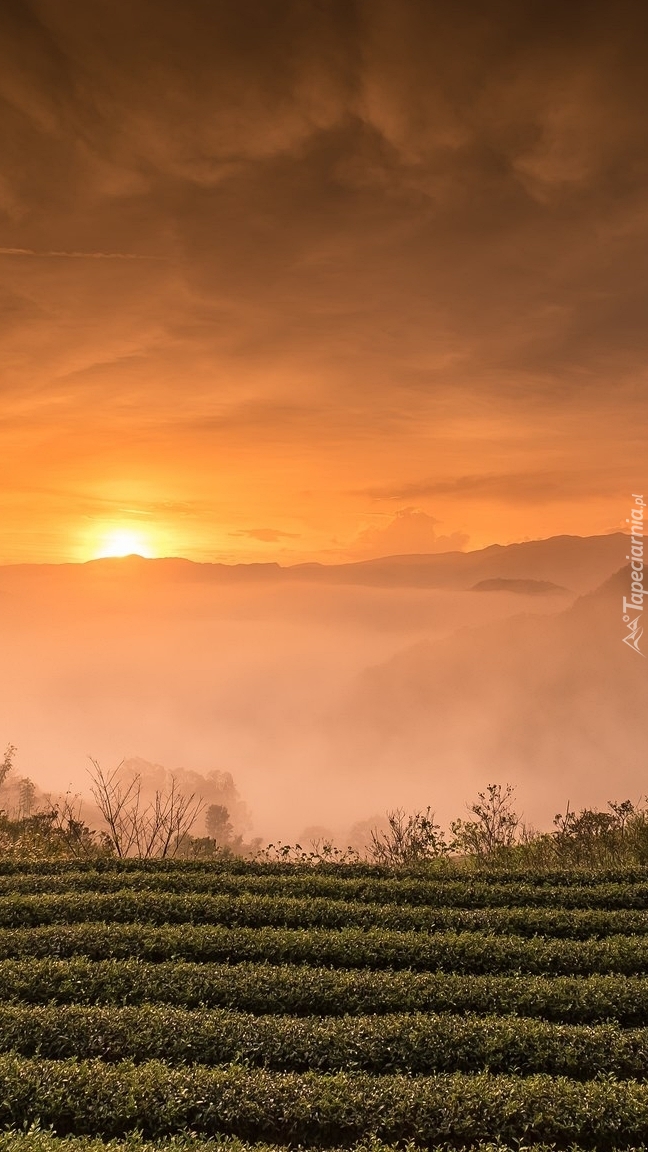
[411, 839]
[6, 764]
[217, 823]
[139, 829]
[495, 825]
[596, 838]
[26, 797]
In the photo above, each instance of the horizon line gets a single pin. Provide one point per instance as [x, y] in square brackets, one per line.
[300, 563]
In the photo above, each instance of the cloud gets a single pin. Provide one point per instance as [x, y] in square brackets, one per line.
[509, 488]
[411, 531]
[78, 255]
[266, 535]
[295, 247]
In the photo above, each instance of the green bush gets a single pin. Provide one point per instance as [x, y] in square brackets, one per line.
[272, 1006]
[453, 1110]
[219, 871]
[36, 1139]
[301, 990]
[253, 910]
[465, 952]
[414, 1043]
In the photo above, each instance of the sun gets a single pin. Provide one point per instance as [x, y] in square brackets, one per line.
[122, 541]
[114, 538]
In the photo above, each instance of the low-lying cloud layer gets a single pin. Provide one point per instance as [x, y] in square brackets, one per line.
[331, 693]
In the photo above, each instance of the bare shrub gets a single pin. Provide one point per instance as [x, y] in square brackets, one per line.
[409, 839]
[494, 827]
[136, 828]
[321, 852]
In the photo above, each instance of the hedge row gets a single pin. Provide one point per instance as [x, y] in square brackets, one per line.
[251, 910]
[466, 952]
[419, 1044]
[39, 1140]
[451, 1109]
[301, 991]
[442, 870]
[338, 882]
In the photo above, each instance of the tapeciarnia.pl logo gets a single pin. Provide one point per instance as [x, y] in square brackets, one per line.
[633, 607]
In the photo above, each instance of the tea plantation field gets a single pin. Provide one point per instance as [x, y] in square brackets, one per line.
[250, 1005]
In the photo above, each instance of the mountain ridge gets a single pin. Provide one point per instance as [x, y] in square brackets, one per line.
[576, 562]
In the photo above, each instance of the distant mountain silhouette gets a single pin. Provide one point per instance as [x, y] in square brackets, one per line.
[573, 562]
[577, 562]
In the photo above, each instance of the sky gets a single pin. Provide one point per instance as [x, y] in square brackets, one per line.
[291, 280]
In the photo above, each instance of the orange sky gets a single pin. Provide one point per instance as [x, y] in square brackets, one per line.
[286, 280]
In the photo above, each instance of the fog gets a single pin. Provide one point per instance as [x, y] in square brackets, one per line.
[329, 702]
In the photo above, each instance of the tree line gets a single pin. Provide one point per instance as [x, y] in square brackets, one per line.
[163, 826]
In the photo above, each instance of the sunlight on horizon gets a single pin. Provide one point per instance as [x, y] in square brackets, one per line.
[121, 540]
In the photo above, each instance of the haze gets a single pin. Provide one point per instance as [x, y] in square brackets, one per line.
[333, 693]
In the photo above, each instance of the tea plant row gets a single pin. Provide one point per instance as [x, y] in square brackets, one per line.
[466, 952]
[418, 1044]
[582, 890]
[301, 990]
[37, 1139]
[449, 1109]
[253, 910]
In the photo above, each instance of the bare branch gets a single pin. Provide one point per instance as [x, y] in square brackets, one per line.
[134, 829]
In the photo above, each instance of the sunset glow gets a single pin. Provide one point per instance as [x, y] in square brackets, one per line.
[306, 287]
[122, 541]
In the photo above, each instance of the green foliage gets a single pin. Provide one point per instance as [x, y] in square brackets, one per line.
[464, 952]
[208, 1005]
[320, 852]
[36, 1139]
[493, 837]
[580, 889]
[29, 833]
[452, 1109]
[256, 873]
[415, 1043]
[46, 835]
[249, 909]
[600, 838]
[301, 990]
